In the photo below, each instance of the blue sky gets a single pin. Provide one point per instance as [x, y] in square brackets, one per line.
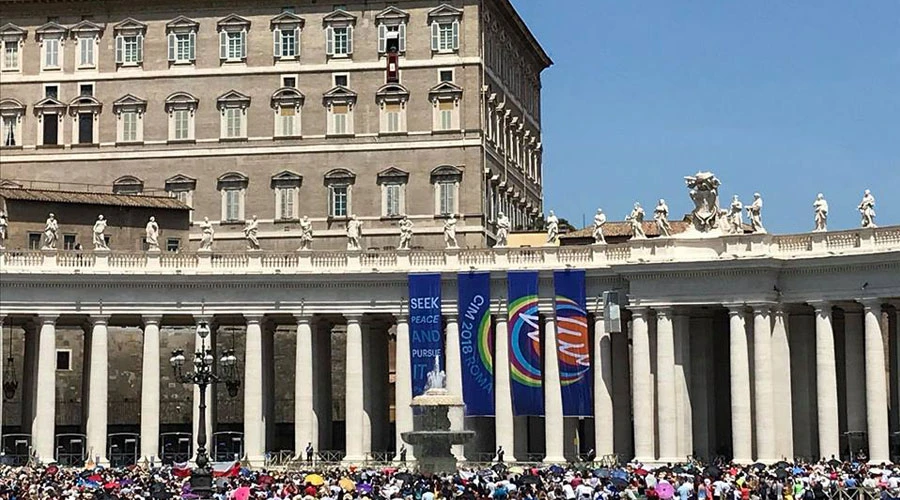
[785, 98]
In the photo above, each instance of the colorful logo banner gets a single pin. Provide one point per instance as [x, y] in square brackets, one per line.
[526, 377]
[425, 327]
[476, 342]
[573, 343]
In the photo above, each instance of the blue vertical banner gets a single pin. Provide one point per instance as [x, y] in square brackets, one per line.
[572, 342]
[526, 376]
[476, 342]
[425, 327]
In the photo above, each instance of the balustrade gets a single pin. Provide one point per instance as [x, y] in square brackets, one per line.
[645, 250]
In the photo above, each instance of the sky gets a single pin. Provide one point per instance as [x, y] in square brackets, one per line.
[787, 99]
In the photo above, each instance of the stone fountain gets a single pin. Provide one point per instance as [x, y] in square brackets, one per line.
[431, 437]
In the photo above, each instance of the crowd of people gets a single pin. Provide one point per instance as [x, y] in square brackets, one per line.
[781, 481]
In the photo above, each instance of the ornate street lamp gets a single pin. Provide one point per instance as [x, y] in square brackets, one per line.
[203, 376]
[10, 384]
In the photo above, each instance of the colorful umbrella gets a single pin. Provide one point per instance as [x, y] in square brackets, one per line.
[665, 490]
[314, 479]
[347, 484]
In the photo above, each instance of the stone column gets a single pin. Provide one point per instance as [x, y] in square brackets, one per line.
[604, 421]
[762, 383]
[354, 383]
[742, 437]
[43, 428]
[781, 388]
[504, 423]
[682, 324]
[269, 329]
[454, 378]
[29, 374]
[2, 358]
[855, 369]
[700, 334]
[98, 382]
[644, 435]
[254, 426]
[210, 391]
[305, 419]
[665, 387]
[403, 414]
[876, 386]
[554, 422]
[150, 390]
[826, 383]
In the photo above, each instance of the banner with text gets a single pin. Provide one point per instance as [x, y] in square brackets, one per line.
[476, 342]
[573, 343]
[425, 327]
[525, 343]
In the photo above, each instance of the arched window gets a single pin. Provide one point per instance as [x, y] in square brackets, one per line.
[233, 187]
[128, 184]
[446, 180]
[339, 183]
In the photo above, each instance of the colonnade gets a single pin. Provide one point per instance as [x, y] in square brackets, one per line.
[665, 405]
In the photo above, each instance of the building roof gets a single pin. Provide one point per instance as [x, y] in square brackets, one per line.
[623, 228]
[517, 20]
[86, 198]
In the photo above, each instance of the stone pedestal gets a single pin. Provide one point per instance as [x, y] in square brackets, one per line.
[432, 438]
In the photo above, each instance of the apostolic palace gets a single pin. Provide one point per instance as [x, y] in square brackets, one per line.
[322, 200]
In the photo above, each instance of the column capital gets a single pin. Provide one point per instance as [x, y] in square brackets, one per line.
[47, 319]
[760, 307]
[735, 308]
[639, 311]
[450, 316]
[401, 317]
[820, 306]
[303, 319]
[664, 311]
[871, 303]
[98, 319]
[204, 318]
[151, 319]
[254, 318]
[353, 318]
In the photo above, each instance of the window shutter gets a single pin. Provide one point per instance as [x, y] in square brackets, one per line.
[297, 41]
[289, 205]
[330, 201]
[434, 35]
[243, 44]
[349, 39]
[140, 48]
[279, 200]
[329, 42]
[276, 42]
[171, 47]
[456, 34]
[192, 45]
[223, 45]
[382, 38]
[402, 42]
[119, 43]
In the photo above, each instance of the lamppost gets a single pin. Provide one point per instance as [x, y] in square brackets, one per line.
[203, 376]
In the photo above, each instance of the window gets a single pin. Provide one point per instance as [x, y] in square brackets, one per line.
[63, 359]
[339, 103]
[85, 128]
[85, 110]
[173, 244]
[181, 108]
[182, 124]
[286, 203]
[181, 187]
[287, 102]
[447, 194]
[392, 200]
[446, 180]
[286, 186]
[51, 91]
[289, 81]
[445, 28]
[129, 112]
[69, 242]
[445, 98]
[129, 126]
[51, 53]
[11, 113]
[50, 113]
[339, 33]
[341, 79]
[393, 191]
[235, 46]
[86, 52]
[233, 187]
[391, 100]
[34, 241]
[51, 129]
[338, 201]
[446, 114]
[286, 122]
[10, 131]
[392, 30]
[445, 75]
[128, 184]
[233, 106]
[86, 89]
[11, 39]
[129, 49]
[286, 35]
[392, 112]
[339, 114]
[182, 40]
[233, 38]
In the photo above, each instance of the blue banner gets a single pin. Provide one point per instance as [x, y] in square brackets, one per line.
[476, 342]
[425, 327]
[572, 343]
[526, 378]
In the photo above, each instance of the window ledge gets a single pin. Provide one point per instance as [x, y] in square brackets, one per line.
[286, 137]
[129, 143]
[128, 65]
[290, 220]
[86, 146]
[233, 62]
[391, 217]
[56, 68]
[6, 148]
[446, 216]
[50, 146]
[340, 136]
[286, 59]
[335, 218]
[447, 131]
[86, 68]
[181, 141]
[232, 223]
[232, 139]
[394, 134]
[11, 70]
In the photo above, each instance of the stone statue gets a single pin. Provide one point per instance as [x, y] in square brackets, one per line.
[661, 215]
[306, 233]
[502, 230]
[636, 217]
[151, 233]
[599, 221]
[436, 378]
[704, 192]
[406, 232]
[450, 232]
[354, 233]
[208, 234]
[251, 230]
[51, 233]
[97, 232]
[867, 209]
[736, 216]
[4, 229]
[552, 228]
[821, 208]
[754, 211]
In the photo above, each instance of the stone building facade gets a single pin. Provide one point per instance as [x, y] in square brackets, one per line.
[245, 108]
